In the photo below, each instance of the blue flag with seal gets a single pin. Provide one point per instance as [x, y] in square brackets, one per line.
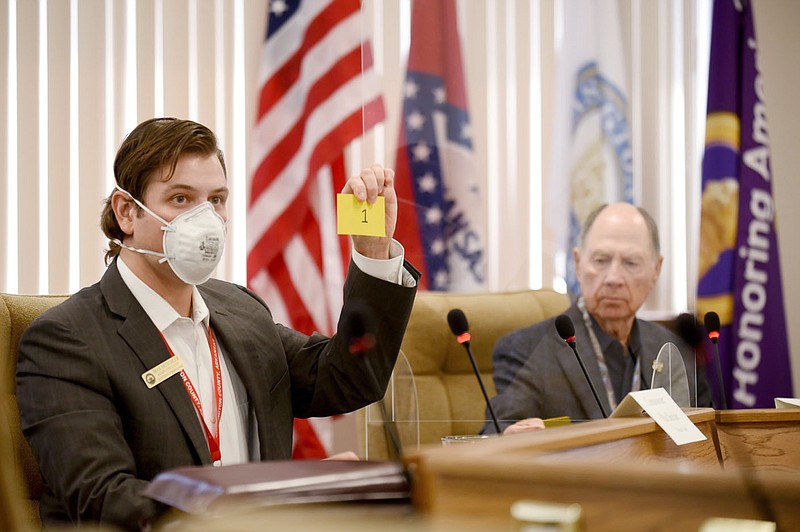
[593, 157]
[739, 274]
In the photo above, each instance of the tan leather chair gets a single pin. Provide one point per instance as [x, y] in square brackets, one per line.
[16, 457]
[11, 492]
[438, 370]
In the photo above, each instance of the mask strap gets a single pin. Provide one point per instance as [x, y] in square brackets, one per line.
[166, 227]
[163, 258]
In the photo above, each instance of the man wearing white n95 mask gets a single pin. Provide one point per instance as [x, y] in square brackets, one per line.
[100, 410]
[536, 373]
[193, 241]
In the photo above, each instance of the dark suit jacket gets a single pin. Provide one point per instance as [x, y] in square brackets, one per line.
[536, 373]
[99, 434]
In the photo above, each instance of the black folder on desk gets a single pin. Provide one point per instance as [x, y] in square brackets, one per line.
[203, 489]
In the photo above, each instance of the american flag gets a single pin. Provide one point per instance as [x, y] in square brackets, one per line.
[309, 110]
[434, 168]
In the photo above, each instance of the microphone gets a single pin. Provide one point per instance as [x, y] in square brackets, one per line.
[711, 321]
[566, 330]
[358, 331]
[358, 328]
[458, 324]
[688, 329]
[755, 490]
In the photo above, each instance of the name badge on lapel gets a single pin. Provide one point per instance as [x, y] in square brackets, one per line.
[155, 376]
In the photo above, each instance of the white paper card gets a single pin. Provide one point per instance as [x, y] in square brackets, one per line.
[664, 411]
[787, 402]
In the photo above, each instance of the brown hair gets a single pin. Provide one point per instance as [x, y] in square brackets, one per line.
[154, 144]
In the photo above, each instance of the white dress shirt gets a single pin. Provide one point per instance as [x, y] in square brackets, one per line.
[188, 340]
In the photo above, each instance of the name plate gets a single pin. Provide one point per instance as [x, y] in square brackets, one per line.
[662, 409]
[787, 402]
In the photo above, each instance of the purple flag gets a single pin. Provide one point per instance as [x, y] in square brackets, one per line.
[739, 269]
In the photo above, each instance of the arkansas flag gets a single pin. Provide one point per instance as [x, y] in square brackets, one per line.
[441, 210]
[739, 268]
[318, 90]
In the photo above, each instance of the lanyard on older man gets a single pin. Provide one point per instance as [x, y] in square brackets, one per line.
[636, 382]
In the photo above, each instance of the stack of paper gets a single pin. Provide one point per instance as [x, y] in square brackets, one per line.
[198, 489]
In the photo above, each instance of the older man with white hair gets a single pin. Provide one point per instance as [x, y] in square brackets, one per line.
[537, 375]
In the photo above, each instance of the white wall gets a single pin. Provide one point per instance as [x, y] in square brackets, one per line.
[778, 33]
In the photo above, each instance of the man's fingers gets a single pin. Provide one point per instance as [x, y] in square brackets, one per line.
[370, 183]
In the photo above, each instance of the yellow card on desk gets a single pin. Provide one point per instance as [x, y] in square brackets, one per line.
[354, 217]
[557, 421]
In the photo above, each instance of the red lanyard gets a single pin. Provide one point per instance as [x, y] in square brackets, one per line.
[213, 441]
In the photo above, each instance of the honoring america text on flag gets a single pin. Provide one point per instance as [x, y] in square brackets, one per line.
[739, 270]
[434, 167]
[318, 90]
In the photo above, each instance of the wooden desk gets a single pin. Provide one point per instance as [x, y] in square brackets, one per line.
[612, 496]
[625, 474]
[761, 439]
[624, 440]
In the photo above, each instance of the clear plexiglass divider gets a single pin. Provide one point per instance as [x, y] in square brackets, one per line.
[399, 418]
[398, 413]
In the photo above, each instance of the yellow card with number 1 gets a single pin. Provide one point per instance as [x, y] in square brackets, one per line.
[354, 217]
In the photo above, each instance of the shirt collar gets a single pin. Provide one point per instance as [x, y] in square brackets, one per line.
[156, 307]
[604, 339]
